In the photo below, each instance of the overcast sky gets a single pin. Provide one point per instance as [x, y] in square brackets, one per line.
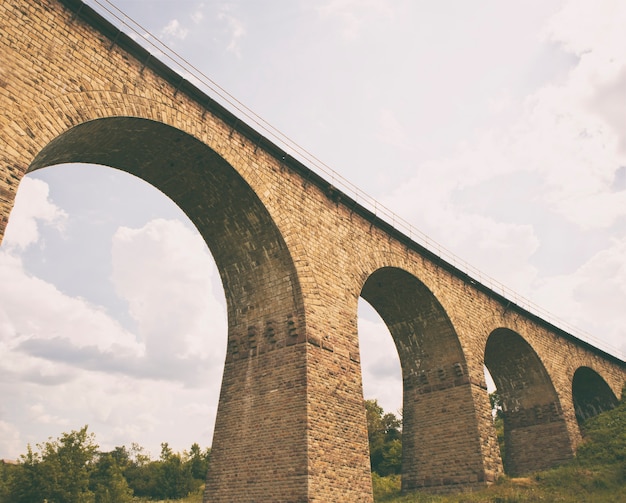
[496, 128]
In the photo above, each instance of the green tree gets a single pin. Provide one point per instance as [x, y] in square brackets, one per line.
[29, 482]
[69, 461]
[385, 439]
[7, 471]
[58, 473]
[199, 462]
[174, 479]
[107, 480]
[140, 472]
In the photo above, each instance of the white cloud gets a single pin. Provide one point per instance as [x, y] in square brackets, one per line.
[391, 130]
[380, 363]
[198, 15]
[592, 297]
[36, 310]
[354, 15]
[163, 271]
[174, 30]
[32, 207]
[10, 441]
[236, 31]
[65, 362]
[563, 144]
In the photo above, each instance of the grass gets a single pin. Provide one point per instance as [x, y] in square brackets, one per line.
[196, 497]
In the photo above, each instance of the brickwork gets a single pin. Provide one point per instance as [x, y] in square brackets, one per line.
[295, 255]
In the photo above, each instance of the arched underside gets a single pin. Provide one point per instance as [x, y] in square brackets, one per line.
[591, 394]
[265, 313]
[535, 433]
[440, 447]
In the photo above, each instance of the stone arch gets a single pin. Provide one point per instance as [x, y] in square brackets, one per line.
[591, 394]
[440, 443]
[535, 432]
[264, 300]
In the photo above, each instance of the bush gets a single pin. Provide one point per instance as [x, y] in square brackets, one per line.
[385, 487]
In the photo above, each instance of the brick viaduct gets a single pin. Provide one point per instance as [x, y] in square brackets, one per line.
[295, 254]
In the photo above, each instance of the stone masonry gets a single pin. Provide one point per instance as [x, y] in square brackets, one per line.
[295, 255]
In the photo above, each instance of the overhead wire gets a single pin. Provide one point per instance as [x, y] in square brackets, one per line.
[360, 197]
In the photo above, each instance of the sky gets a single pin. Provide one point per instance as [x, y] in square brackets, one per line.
[497, 129]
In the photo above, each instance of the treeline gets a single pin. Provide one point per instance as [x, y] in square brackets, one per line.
[72, 469]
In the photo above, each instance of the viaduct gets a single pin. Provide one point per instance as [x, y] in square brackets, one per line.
[294, 255]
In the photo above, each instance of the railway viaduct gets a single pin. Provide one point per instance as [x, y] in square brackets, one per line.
[294, 255]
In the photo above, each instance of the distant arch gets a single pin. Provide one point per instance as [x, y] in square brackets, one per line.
[436, 389]
[535, 433]
[591, 394]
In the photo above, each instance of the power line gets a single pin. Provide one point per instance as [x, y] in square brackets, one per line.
[188, 70]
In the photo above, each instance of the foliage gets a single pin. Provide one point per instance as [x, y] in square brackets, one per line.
[71, 470]
[605, 437]
[385, 487]
[57, 472]
[384, 434]
[107, 480]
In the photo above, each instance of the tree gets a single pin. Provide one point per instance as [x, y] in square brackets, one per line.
[28, 482]
[59, 472]
[140, 471]
[107, 480]
[174, 478]
[385, 439]
[199, 462]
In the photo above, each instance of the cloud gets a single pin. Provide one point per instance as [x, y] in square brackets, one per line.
[10, 441]
[66, 362]
[33, 308]
[236, 31]
[198, 15]
[174, 31]
[488, 199]
[380, 363]
[355, 15]
[32, 208]
[164, 271]
[591, 297]
[391, 130]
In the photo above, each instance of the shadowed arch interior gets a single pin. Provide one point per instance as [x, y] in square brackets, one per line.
[591, 394]
[437, 403]
[535, 434]
[264, 301]
[240, 233]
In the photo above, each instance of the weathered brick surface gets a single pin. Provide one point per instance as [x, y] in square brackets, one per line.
[295, 256]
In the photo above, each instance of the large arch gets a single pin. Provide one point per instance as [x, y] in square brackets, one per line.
[264, 303]
[440, 446]
[535, 433]
[591, 394]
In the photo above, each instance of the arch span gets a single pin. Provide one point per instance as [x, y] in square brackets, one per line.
[265, 313]
[591, 394]
[439, 443]
[535, 433]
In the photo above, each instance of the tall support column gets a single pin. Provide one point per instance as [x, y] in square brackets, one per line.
[291, 423]
[337, 442]
[259, 450]
[441, 449]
